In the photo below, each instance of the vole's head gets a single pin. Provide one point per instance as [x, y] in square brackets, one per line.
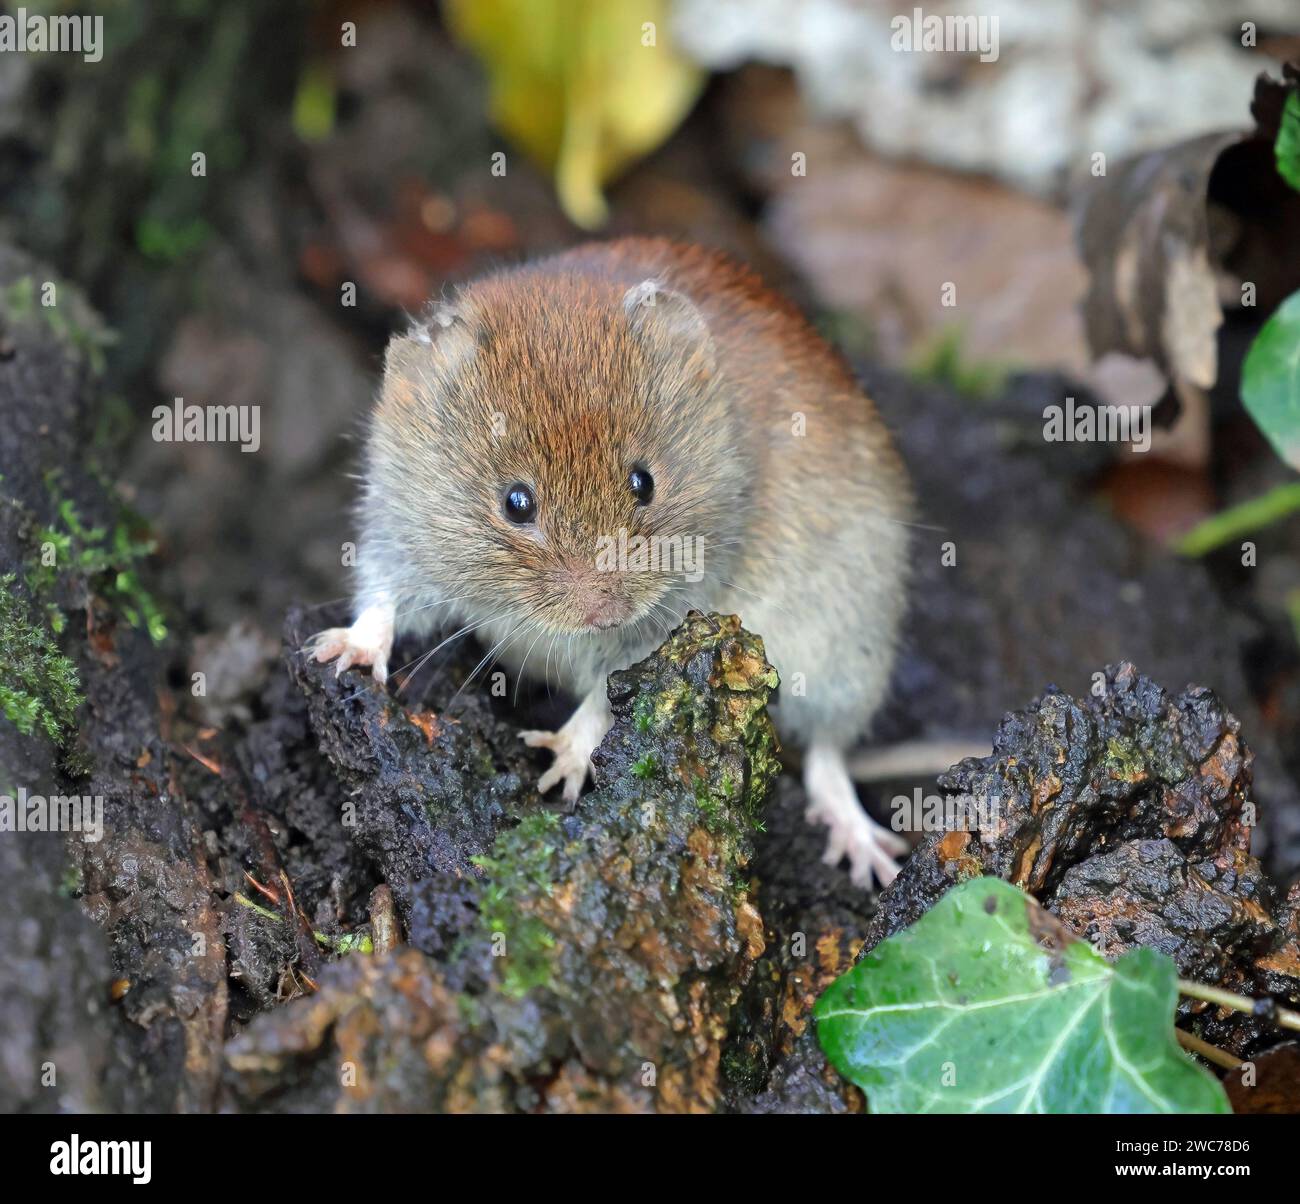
[559, 448]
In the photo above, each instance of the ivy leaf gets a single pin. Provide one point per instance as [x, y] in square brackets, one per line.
[989, 1004]
[1270, 380]
[584, 87]
[1286, 149]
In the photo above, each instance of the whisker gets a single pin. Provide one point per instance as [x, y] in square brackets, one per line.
[496, 648]
[401, 614]
[758, 598]
[519, 677]
[546, 668]
[420, 661]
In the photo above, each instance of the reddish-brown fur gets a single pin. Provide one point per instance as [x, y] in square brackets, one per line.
[760, 442]
[565, 376]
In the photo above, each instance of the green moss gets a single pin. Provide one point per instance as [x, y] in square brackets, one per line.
[70, 885]
[741, 884]
[106, 559]
[741, 1069]
[18, 300]
[644, 767]
[643, 711]
[730, 803]
[764, 766]
[469, 1010]
[711, 810]
[720, 813]
[518, 873]
[39, 687]
[71, 320]
[1124, 760]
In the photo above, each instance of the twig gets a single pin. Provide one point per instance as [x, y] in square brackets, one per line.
[1211, 1053]
[383, 919]
[265, 912]
[288, 890]
[349, 942]
[1240, 1003]
[207, 762]
[263, 890]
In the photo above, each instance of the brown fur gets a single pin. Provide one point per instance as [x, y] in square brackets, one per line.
[759, 440]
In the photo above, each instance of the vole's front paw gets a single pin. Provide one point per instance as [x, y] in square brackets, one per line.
[572, 745]
[571, 763]
[369, 641]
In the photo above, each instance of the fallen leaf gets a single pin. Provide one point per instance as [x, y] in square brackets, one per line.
[1267, 1084]
[585, 87]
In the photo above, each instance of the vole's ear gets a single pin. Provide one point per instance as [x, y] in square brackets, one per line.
[441, 342]
[670, 327]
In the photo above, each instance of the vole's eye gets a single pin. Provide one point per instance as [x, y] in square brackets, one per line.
[519, 504]
[642, 485]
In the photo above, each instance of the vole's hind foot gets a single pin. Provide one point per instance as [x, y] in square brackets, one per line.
[572, 745]
[369, 641]
[871, 849]
[832, 801]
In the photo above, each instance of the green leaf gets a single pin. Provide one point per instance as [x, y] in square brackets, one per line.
[1270, 380]
[1286, 150]
[988, 1004]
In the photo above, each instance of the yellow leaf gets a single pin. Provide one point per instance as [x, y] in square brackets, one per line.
[584, 87]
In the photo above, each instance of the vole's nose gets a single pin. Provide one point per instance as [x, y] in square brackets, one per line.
[602, 618]
[605, 611]
[598, 600]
